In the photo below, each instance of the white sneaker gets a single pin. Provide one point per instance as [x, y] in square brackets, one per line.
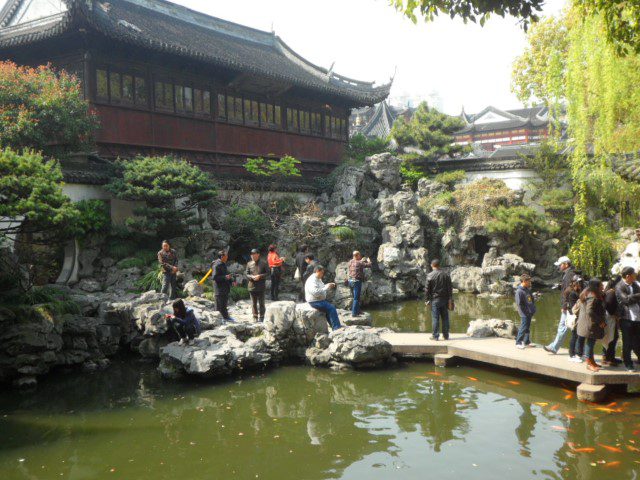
[520, 346]
[182, 341]
[577, 360]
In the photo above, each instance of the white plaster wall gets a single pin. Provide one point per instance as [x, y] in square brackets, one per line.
[516, 179]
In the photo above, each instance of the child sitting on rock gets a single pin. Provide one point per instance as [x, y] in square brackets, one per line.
[183, 322]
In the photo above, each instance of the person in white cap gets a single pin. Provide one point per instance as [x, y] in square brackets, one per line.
[564, 264]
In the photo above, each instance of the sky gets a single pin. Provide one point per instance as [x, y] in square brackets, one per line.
[447, 63]
[464, 65]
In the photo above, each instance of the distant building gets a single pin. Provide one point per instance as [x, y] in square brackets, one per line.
[378, 120]
[493, 128]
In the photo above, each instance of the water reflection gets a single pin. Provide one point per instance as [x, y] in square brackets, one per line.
[296, 422]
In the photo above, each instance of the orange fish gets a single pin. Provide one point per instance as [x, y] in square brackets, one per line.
[610, 448]
[555, 407]
[568, 396]
[444, 381]
[608, 410]
[513, 382]
[558, 428]
[612, 404]
[633, 449]
[473, 379]
[541, 404]
[584, 450]
[569, 416]
[612, 464]
[636, 432]
[437, 374]
[567, 391]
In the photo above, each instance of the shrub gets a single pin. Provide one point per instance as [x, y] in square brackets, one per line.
[239, 293]
[47, 297]
[427, 204]
[151, 281]
[142, 259]
[249, 227]
[557, 201]
[474, 201]
[286, 166]
[451, 178]
[95, 217]
[518, 220]
[593, 250]
[411, 173]
[343, 233]
[361, 147]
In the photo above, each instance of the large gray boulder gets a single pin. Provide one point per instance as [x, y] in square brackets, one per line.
[492, 328]
[385, 168]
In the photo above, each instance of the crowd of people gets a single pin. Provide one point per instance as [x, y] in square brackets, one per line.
[590, 310]
[313, 289]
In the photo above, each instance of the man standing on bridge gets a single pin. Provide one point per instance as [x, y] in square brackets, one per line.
[439, 294]
[526, 308]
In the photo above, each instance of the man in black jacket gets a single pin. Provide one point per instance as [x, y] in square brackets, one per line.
[628, 295]
[222, 282]
[257, 272]
[564, 264]
[439, 294]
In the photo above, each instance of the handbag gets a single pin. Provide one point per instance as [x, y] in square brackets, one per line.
[571, 321]
[297, 275]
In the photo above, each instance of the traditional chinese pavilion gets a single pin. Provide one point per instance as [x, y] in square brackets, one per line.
[165, 79]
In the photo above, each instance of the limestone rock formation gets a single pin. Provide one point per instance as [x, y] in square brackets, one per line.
[492, 328]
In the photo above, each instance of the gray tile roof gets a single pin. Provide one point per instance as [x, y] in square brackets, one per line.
[163, 26]
[519, 118]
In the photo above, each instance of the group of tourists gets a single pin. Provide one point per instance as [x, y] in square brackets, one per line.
[314, 291]
[591, 311]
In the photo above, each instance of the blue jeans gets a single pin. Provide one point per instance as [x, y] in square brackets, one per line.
[356, 289]
[440, 310]
[524, 331]
[562, 332]
[330, 310]
[589, 348]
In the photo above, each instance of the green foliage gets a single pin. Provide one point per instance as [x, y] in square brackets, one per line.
[239, 293]
[517, 221]
[171, 189]
[620, 17]
[430, 131]
[141, 259]
[286, 166]
[49, 298]
[451, 178]
[361, 147]
[31, 189]
[151, 281]
[557, 202]
[43, 109]
[249, 227]
[94, 218]
[427, 204]
[539, 73]
[411, 173]
[474, 202]
[593, 251]
[343, 233]
[550, 165]
[470, 10]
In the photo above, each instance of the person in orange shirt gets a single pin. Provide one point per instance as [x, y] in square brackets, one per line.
[276, 264]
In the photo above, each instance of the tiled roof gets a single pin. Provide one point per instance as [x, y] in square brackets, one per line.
[163, 26]
[518, 118]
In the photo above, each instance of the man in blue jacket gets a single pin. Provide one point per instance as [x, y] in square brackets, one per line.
[222, 282]
[526, 308]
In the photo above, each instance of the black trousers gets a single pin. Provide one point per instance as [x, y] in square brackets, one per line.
[276, 275]
[257, 304]
[630, 340]
[222, 300]
[609, 353]
[181, 330]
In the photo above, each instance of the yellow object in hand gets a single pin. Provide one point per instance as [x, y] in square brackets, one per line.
[205, 277]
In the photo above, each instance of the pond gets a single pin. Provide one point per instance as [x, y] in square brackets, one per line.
[413, 421]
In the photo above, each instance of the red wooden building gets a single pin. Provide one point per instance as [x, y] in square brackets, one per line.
[165, 79]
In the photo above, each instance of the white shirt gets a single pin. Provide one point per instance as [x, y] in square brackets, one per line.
[634, 308]
[314, 289]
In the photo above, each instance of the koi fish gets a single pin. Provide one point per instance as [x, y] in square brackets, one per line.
[437, 374]
[608, 410]
[636, 432]
[558, 428]
[541, 404]
[610, 448]
[568, 396]
[474, 379]
[633, 449]
[584, 450]
[444, 381]
[555, 407]
[569, 416]
[612, 464]
[513, 382]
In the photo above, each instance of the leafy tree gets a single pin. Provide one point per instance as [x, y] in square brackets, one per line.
[249, 227]
[94, 218]
[538, 74]
[43, 110]
[517, 221]
[620, 17]
[171, 190]
[31, 192]
[430, 131]
[286, 166]
[361, 147]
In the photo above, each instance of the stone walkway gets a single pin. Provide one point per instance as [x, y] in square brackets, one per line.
[503, 353]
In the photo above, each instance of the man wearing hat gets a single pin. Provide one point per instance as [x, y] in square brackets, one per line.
[564, 264]
[257, 272]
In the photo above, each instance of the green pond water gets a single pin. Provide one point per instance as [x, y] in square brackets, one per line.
[412, 421]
